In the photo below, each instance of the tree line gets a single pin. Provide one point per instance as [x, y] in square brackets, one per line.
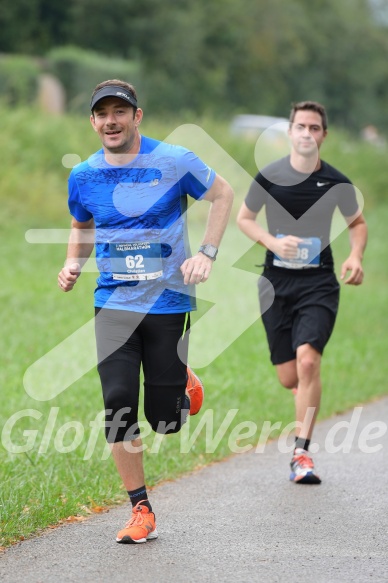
[225, 56]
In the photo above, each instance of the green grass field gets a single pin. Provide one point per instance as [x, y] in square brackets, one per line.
[53, 457]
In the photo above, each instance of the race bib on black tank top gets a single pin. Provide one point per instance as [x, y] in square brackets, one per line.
[307, 256]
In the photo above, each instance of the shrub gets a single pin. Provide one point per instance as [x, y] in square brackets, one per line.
[18, 79]
[80, 71]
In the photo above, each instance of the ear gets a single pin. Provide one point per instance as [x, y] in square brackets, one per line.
[138, 116]
[93, 122]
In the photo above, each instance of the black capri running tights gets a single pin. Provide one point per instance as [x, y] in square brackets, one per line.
[157, 342]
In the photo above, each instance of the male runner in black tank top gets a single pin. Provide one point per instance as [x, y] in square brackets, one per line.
[299, 291]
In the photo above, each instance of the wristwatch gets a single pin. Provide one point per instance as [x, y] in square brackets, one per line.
[209, 250]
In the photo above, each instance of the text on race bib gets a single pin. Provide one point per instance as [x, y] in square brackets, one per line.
[307, 256]
[138, 261]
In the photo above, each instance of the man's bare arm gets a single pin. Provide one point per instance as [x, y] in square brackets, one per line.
[79, 249]
[197, 269]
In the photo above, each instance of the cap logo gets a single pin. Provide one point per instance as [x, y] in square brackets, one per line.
[119, 94]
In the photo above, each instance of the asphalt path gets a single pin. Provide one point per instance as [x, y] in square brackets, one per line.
[241, 521]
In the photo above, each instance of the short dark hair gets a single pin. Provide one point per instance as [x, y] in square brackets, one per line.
[309, 106]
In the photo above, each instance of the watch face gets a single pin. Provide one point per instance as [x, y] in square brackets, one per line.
[209, 250]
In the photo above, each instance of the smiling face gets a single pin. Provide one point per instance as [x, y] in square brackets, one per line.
[117, 123]
[307, 133]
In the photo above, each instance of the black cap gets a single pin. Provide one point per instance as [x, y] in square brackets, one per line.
[113, 91]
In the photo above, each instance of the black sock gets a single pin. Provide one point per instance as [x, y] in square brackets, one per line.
[139, 495]
[301, 442]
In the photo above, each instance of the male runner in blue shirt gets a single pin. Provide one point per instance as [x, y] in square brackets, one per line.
[131, 196]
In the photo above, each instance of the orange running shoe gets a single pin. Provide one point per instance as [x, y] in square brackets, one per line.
[195, 391]
[140, 528]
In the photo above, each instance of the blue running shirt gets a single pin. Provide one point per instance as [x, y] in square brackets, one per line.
[141, 233]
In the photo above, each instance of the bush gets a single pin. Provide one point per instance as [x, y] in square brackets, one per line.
[80, 71]
[18, 79]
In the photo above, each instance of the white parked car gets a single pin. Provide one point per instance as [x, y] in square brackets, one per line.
[252, 126]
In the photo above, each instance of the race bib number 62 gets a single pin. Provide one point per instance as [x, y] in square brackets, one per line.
[136, 261]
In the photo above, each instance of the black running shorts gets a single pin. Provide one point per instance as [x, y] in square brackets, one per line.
[304, 310]
[127, 341]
